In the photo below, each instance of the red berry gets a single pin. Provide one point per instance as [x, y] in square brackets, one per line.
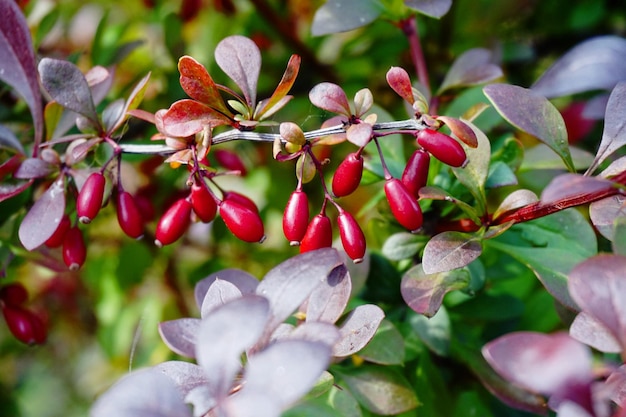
[243, 222]
[74, 251]
[348, 175]
[241, 199]
[203, 203]
[442, 147]
[229, 160]
[14, 294]
[318, 235]
[415, 172]
[404, 206]
[90, 197]
[352, 237]
[25, 325]
[57, 237]
[174, 223]
[296, 217]
[128, 215]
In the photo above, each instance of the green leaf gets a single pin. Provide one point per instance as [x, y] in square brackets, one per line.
[343, 15]
[434, 392]
[340, 400]
[500, 175]
[619, 236]
[380, 389]
[403, 245]
[386, 347]
[434, 331]
[533, 114]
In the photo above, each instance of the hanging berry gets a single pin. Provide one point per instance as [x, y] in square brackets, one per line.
[242, 221]
[404, 206]
[352, 237]
[241, 199]
[296, 217]
[319, 234]
[203, 202]
[415, 174]
[26, 326]
[14, 294]
[442, 147]
[348, 175]
[174, 223]
[128, 215]
[90, 197]
[74, 250]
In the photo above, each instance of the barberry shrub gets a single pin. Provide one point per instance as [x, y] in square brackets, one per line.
[461, 231]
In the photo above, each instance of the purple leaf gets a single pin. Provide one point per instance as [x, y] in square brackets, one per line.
[8, 140]
[616, 382]
[360, 134]
[567, 186]
[328, 301]
[603, 214]
[474, 66]
[245, 282]
[145, 393]
[598, 285]
[424, 292]
[240, 59]
[249, 403]
[614, 134]
[34, 168]
[432, 8]
[532, 113]
[343, 15]
[44, 216]
[113, 114]
[188, 117]
[539, 362]
[357, 329]
[286, 370]
[18, 66]
[11, 190]
[225, 334]
[313, 331]
[330, 97]
[288, 284]
[588, 330]
[569, 408]
[202, 399]
[181, 335]
[185, 375]
[219, 293]
[596, 64]
[68, 87]
[450, 250]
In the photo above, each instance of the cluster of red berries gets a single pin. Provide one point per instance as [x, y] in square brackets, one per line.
[24, 324]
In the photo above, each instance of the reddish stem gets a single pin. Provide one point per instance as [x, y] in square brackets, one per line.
[409, 27]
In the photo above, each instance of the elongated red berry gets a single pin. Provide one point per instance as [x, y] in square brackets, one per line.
[296, 217]
[244, 223]
[319, 234]
[352, 237]
[203, 203]
[442, 147]
[128, 215]
[57, 237]
[230, 160]
[90, 197]
[25, 325]
[74, 250]
[415, 173]
[404, 206]
[348, 175]
[174, 223]
[14, 294]
[241, 199]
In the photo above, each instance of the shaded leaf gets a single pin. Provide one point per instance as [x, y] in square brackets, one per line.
[198, 84]
[569, 186]
[596, 64]
[34, 168]
[188, 117]
[402, 245]
[461, 130]
[616, 167]
[432, 8]
[542, 157]
[357, 329]
[18, 67]
[614, 134]
[381, 390]
[474, 66]
[44, 216]
[245, 282]
[328, 301]
[240, 59]
[181, 335]
[424, 292]
[500, 175]
[603, 214]
[219, 293]
[68, 87]
[619, 238]
[515, 200]
[450, 250]
[343, 15]
[132, 102]
[599, 288]
[588, 330]
[539, 362]
[145, 393]
[330, 97]
[113, 115]
[532, 113]
[185, 375]
[434, 332]
[386, 347]
[269, 106]
[399, 80]
[8, 140]
[11, 190]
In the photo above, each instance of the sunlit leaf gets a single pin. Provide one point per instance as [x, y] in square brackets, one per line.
[328, 301]
[145, 393]
[185, 375]
[34, 168]
[596, 64]
[313, 331]
[474, 66]
[343, 15]
[360, 134]
[432, 8]
[616, 383]
[44, 216]
[588, 330]
[219, 293]
[240, 58]
[181, 335]
[245, 282]
[614, 134]
[568, 186]
[380, 389]
[330, 97]
[539, 362]
[18, 65]
[198, 84]
[357, 329]
[450, 250]
[188, 117]
[268, 107]
[532, 113]
[424, 292]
